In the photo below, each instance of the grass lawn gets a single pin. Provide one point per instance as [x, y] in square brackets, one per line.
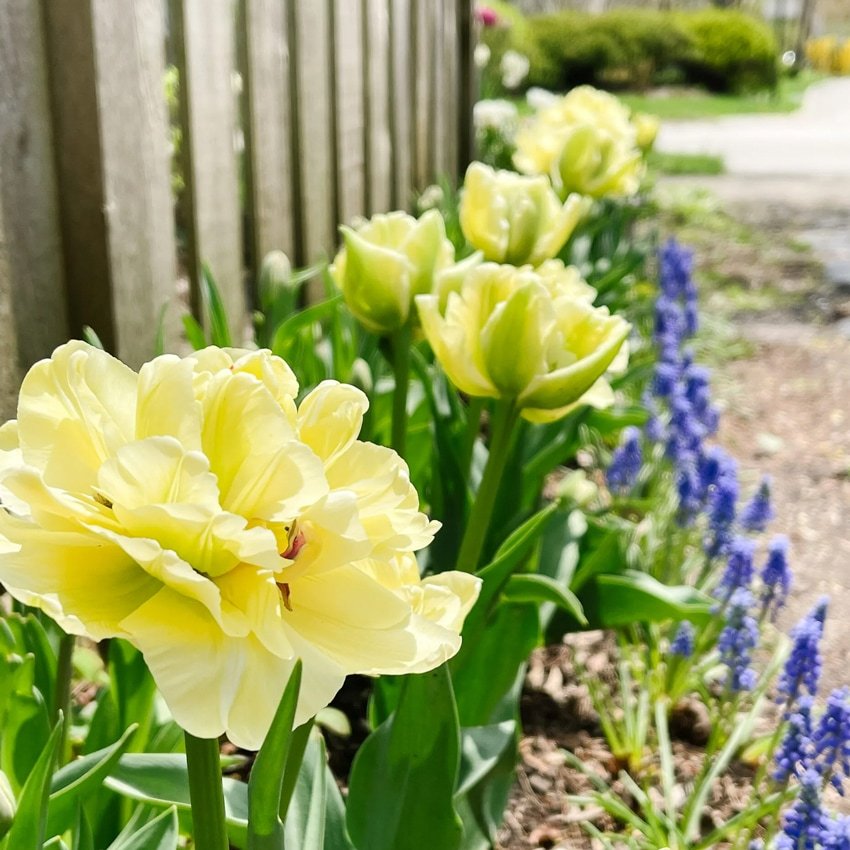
[685, 163]
[694, 103]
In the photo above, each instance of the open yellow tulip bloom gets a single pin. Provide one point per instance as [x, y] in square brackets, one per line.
[529, 336]
[586, 143]
[388, 260]
[195, 510]
[515, 219]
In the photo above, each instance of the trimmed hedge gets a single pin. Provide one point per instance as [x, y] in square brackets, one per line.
[722, 49]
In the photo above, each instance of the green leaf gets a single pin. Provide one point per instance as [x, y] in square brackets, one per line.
[194, 332]
[316, 817]
[161, 779]
[214, 309]
[78, 780]
[636, 597]
[91, 337]
[540, 589]
[409, 767]
[159, 834]
[288, 331]
[28, 828]
[481, 749]
[265, 827]
[83, 839]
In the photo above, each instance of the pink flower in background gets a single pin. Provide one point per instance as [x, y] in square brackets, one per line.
[486, 16]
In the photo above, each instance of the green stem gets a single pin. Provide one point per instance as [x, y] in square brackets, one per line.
[206, 793]
[400, 348]
[473, 428]
[62, 692]
[502, 424]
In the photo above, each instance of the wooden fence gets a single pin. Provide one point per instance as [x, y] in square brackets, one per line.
[295, 116]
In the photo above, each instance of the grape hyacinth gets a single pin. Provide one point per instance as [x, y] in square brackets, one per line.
[801, 673]
[836, 833]
[722, 506]
[831, 739]
[626, 461]
[775, 577]
[737, 641]
[739, 571]
[758, 512]
[683, 641]
[795, 748]
[677, 284]
[803, 824]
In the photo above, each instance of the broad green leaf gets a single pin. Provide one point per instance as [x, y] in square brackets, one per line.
[29, 826]
[214, 309]
[481, 749]
[289, 330]
[541, 589]
[80, 779]
[159, 834]
[486, 668]
[83, 839]
[265, 827]
[316, 816]
[409, 768]
[161, 779]
[635, 597]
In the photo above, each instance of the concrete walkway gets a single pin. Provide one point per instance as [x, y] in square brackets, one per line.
[812, 142]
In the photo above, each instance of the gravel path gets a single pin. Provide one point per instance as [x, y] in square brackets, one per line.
[788, 405]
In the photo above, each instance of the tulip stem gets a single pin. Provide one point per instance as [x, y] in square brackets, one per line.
[505, 414]
[206, 793]
[400, 349]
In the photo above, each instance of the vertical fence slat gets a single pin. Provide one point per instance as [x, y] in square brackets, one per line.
[467, 82]
[440, 94]
[206, 56]
[351, 164]
[423, 80]
[402, 111]
[379, 150]
[447, 104]
[268, 128]
[107, 65]
[33, 316]
[130, 61]
[315, 118]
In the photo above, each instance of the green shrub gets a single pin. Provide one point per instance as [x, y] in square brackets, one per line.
[570, 50]
[724, 50]
[513, 32]
[731, 51]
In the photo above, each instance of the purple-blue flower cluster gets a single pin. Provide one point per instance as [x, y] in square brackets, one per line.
[803, 825]
[758, 512]
[683, 641]
[722, 504]
[737, 641]
[801, 673]
[739, 571]
[626, 461]
[775, 577]
[831, 739]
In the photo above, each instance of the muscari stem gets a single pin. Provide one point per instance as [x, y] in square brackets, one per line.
[62, 692]
[400, 349]
[504, 419]
[206, 793]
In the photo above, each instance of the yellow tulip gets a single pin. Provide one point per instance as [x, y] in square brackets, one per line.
[516, 219]
[646, 129]
[388, 260]
[533, 338]
[196, 511]
[585, 142]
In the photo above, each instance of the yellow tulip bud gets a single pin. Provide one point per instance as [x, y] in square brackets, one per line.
[388, 260]
[515, 219]
[519, 334]
[646, 129]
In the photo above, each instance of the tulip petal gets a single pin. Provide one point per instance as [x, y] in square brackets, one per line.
[330, 418]
[74, 411]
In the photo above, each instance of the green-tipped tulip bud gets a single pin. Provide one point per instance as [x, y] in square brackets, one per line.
[8, 806]
[535, 339]
[516, 219]
[387, 261]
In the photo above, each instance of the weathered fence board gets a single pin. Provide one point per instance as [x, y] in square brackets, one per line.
[350, 110]
[268, 127]
[33, 316]
[205, 32]
[403, 91]
[379, 144]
